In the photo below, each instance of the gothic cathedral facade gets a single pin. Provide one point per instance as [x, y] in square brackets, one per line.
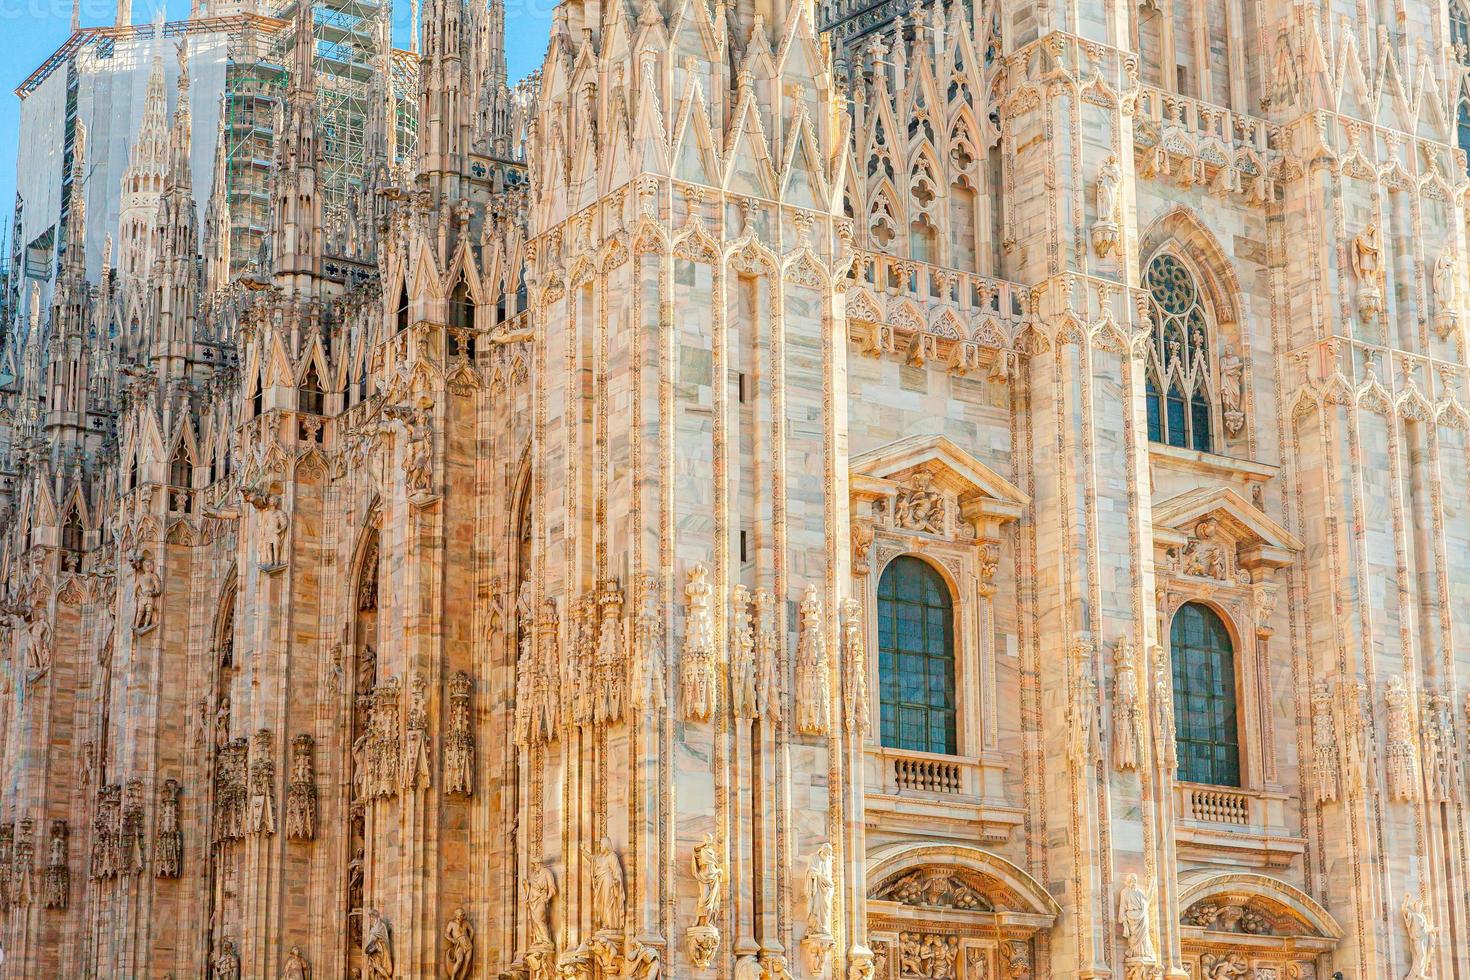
[967, 490]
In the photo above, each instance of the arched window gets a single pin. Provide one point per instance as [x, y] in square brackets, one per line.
[72, 536]
[1177, 385]
[181, 470]
[461, 321]
[1208, 733]
[916, 658]
[310, 397]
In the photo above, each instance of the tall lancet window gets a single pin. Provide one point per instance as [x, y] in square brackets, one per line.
[181, 469]
[1179, 379]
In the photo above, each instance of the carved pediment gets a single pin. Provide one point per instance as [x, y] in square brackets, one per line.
[1254, 907]
[1214, 532]
[928, 485]
[939, 888]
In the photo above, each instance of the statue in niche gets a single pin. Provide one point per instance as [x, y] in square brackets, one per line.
[1446, 292]
[608, 894]
[540, 889]
[1367, 260]
[1232, 389]
[704, 936]
[227, 962]
[1105, 229]
[416, 756]
[367, 670]
[273, 527]
[459, 743]
[459, 946]
[418, 466]
[147, 587]
[820, 889]
[377, 946]
[296, 966]
[1422, 934]
[1134, 912]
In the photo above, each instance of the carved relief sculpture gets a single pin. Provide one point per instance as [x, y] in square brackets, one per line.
[168, 837]
[927, 956]
[860, 965]
[1325, 772]
[743, 700]
[703, 937]
[301, 793]
[1400, 763]
[383, 748]
[1165, 744]
[1440, 771]
[58, 874]
[261, 817]
[1223, 966]
[7, 864]
[610, 676]
[812, 698]
[918, 506]
[767, 658]
[1127, 714]
[416, 749]
[459, 741]
[646, 684]
[699, 685]
[132, 839]
[855, 669]
[22, 877]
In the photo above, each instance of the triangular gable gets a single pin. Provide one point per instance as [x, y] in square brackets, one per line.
[984, 496]
[1259, 539]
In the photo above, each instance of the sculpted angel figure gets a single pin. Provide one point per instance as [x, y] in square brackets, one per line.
[1445, 293]
[1109, 177]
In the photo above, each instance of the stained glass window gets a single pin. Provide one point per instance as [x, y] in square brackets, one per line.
[1204, 697]
[1178, 383]
[916, 658]
[1460, 41]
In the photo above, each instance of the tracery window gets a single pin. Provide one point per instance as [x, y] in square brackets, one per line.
[1208, 732]
[1178, 381]
[1460, 41]
[310, 397]
[916, 658]
[72, 535]
[180, 469]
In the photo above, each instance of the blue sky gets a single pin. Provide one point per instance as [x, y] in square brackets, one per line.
[33, 29]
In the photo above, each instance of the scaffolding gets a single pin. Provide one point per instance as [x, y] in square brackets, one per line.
[346, 38]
